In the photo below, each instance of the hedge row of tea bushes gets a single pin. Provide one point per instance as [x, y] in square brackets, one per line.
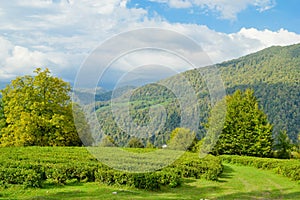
[149, 181]
[37, 166]
[190, 165]
[288, 168]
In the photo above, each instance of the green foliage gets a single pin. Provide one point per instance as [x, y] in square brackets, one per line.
[39, 166]
[272, 73]
[148, 181]
[38, 112]
[283, 145]
[288, 168]
[2, 117]
[82, 127]
[246, 129]
[298, 142]
[25, 177]
[135, 143]
[149, 145]
[182, 139]
[107, 141]
[191, 166]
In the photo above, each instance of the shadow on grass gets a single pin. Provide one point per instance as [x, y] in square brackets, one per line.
[50, 185]
[75, 194]
[184, 192]
[263, 194]
[227, 173]
[189, 180]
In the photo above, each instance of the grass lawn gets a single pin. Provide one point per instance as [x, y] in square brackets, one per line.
[236, 182]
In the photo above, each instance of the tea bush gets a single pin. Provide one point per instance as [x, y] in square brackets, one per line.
[37, 166]
[288, 168]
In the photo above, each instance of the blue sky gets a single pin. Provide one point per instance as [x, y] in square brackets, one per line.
[61, 34]
[281, 14]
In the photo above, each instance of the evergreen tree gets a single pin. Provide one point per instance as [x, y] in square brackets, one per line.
[283, 145]
[246, 130]
[38, 111]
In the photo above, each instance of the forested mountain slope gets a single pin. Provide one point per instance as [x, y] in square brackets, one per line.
[273, 73]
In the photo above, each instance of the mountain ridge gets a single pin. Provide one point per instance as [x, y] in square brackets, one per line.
[273, 73]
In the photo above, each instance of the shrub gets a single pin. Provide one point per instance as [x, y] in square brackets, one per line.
[25, 177]
[37, 166]
[191, 166]
[288, 168]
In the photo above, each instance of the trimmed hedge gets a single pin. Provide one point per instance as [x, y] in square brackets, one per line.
[191, 166]
[25, 177]
[36, 166]
[288, 168]
[148, 181]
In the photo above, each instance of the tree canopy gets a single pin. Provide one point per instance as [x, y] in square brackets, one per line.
[182, 139]
[38, 111]
[283, 145]
[135, 142]
[2, 116]
[107, 141]
[246, 130]
[272, 73]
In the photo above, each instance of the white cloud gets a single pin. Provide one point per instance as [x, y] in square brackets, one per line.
[221, 46]
[227, 9]
[17, 60]
[180, 3]
[269, 38]
[61, 35]
[57, 34]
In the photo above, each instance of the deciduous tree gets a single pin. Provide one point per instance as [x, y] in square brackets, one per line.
[38, 111]
[135, 143]
[182, 139]
[2, 116]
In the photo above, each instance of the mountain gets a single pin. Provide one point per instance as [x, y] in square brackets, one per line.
[87, 95]
[273, 74]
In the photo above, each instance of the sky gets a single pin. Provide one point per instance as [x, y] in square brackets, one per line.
[63, 34]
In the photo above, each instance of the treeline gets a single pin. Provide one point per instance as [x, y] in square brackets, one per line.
[273, 74]
[37, 110]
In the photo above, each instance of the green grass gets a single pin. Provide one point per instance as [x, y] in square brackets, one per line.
[236, 182]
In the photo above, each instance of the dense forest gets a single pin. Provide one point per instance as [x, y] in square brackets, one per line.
[156, 109]
[273, 74]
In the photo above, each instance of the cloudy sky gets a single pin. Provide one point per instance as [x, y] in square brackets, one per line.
[62, 34]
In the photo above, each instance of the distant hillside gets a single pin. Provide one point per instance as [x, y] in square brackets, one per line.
[273, 73]
[85, 95]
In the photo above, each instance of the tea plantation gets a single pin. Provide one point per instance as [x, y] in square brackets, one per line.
[73, 173]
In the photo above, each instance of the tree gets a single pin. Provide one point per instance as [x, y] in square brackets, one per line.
[107, 141]
[149, 145]
[135, 143]
[298, 142]
[2, 116]
[82, 126]
[246, 130]
[182, 139]
[38, 111]
[283, 145]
